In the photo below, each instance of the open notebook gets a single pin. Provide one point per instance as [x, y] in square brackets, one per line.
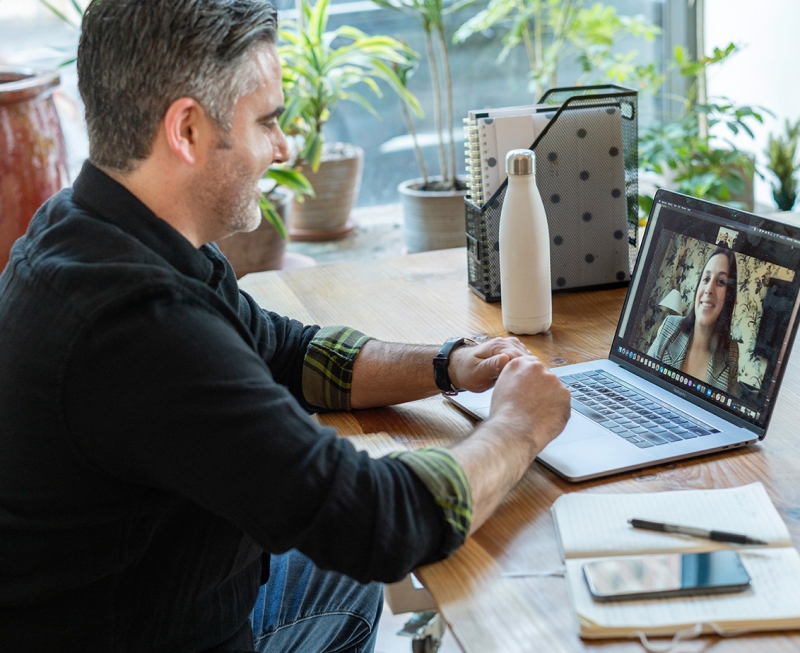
[593, 526]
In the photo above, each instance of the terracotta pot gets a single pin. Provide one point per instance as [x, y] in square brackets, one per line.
[33, 157]
[432, 219]
[263, 248]
[336, 184]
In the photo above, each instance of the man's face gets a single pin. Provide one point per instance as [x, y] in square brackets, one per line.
[228, 185]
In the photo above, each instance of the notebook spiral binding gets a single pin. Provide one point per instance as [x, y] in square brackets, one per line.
[472, 146]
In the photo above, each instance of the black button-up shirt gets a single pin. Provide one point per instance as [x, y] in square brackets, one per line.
[154, 443]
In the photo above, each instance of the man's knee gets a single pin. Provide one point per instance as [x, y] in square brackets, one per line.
[303, 608]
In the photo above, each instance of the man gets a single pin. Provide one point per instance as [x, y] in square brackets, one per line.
[157, 460]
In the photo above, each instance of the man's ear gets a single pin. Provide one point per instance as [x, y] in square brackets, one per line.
[187, 129]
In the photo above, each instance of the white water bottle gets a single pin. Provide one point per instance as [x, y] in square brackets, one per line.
[525, 293]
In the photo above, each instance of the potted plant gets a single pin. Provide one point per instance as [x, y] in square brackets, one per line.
[433, 205]
[265, 247]
[783, 163]
[684, 153]
[552, 30]
[321, 68]
[33, 157]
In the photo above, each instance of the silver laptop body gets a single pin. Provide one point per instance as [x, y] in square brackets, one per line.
[637, 409]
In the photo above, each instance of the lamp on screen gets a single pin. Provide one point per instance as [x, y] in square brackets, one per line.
[672, 302]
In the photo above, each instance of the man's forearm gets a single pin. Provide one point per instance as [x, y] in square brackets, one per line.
[493, 463]
[530, 407]
[390, 373]
[493, 458]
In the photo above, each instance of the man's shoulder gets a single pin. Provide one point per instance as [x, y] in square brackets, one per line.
[86, 260]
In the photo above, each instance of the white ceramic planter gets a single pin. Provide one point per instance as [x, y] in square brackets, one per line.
[432, 219]
[336, 184]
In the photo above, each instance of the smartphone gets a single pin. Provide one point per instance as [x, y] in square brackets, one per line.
[661, 576]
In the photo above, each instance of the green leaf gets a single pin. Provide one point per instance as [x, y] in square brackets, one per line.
[61, 14]
[269, 214]
[398, 85]
[294, 180]
[318, 20]
[360, 99]
[645, 205]
[320, 68]
[313, 151]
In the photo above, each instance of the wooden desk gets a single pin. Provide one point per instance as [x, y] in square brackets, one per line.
[425, 298]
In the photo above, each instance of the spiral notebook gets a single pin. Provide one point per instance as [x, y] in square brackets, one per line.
[490, 134]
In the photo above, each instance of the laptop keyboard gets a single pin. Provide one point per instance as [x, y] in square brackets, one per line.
[629, 413]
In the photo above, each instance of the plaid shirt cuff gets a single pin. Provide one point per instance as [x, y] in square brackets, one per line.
[444, 477]
[328, 367]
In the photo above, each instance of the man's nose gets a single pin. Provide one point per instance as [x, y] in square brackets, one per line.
[281, 151]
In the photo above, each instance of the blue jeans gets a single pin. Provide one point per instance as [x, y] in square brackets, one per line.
[304, 609]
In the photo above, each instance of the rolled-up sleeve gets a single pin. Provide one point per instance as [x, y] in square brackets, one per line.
[444, 478]
[327, 382]
[328, 367]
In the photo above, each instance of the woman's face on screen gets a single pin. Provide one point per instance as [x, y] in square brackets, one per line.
[711, 292]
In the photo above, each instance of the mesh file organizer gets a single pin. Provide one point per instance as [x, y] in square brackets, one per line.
[587, 175]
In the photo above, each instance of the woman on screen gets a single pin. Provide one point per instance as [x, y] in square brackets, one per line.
[700, 344]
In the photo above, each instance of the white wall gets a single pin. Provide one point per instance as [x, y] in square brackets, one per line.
[20, 9]
[767, 70]
[32, 9]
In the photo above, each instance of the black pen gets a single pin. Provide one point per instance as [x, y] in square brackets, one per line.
[717, 536]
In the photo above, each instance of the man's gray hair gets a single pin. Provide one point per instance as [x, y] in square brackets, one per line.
[136, 57]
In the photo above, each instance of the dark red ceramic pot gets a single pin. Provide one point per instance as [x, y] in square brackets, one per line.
[33, 160]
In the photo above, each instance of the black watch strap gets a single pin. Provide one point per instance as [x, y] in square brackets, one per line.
[441, 362]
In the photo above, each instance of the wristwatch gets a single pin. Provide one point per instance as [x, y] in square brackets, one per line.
[441, 362]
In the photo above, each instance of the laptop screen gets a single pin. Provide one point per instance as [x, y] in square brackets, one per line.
[712, 308]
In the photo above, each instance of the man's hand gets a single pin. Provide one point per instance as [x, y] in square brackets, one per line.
[477, 368]
[531, 402]
[530, 407]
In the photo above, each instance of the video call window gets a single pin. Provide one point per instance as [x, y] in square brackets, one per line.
[716, 304]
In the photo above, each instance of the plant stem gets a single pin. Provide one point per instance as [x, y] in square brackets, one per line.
[702, 95]
[559, 36]
[437, 99]
[526, 39]
[450, 180]
[417, 149]
[538, 55]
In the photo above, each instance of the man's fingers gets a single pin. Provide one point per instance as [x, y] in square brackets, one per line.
[511, 347]
[500, 361]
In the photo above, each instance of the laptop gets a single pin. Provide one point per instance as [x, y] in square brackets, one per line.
[642, 406]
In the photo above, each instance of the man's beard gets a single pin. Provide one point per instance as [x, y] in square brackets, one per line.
[243, 215]
[229, 193]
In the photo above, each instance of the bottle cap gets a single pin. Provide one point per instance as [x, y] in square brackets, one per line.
[520, 162]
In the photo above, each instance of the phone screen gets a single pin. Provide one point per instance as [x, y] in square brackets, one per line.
[655, 576]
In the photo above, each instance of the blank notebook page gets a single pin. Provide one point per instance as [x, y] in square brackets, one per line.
[590, 525]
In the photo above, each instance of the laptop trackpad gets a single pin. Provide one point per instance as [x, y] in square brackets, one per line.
[579, 428]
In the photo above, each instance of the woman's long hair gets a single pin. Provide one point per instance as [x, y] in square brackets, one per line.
[722, 327]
